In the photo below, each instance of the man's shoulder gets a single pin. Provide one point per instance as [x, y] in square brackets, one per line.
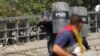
[66, 32]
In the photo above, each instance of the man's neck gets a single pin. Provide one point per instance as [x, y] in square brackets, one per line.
[76, 27]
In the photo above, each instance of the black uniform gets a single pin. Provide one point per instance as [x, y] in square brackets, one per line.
[47, 26]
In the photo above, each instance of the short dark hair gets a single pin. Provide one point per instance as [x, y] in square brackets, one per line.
[75, 20]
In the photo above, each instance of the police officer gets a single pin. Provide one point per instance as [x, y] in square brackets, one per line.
[82, 11]
[46, 24]
[60, 17]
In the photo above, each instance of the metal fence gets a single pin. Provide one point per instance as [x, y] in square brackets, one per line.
[18, 29]
[94, 21]
[14, 30]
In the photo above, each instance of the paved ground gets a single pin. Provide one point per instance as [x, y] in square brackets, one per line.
[38, 48]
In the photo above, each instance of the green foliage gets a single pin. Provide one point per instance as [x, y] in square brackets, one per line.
[10, 8]
[20, 7]
[32, 20]
[3, 8]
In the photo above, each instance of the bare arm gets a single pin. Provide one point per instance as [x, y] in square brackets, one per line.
[59, 51]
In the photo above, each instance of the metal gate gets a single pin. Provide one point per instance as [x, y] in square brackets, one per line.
[94, 21]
